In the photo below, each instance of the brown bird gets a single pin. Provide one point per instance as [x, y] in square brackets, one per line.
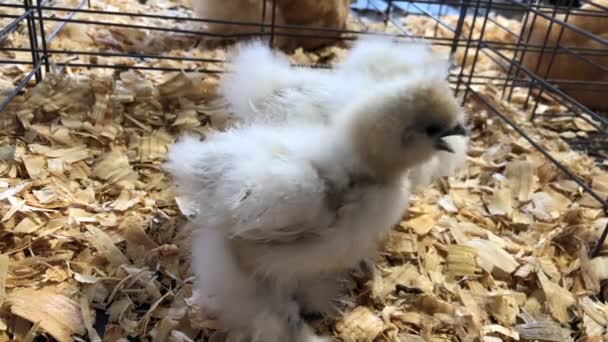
[326, 14]
[567, 66]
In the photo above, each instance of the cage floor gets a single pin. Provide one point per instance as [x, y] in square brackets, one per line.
[93, 243]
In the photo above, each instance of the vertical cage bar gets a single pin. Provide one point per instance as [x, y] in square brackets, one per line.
[550, 64]
[459, 25]
[387, 14]
[469, 40]
[45, 55]
[524, 47]
[541, 52]
[512, 75]
[442, 4]
[479, 43]
[273, 22]
[600, 243]
[263, 21]
[33, 39]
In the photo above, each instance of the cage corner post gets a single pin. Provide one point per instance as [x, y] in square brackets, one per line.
[43, 38]
[33, 39]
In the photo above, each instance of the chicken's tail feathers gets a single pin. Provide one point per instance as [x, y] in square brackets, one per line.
[384, 57]
[255, 72]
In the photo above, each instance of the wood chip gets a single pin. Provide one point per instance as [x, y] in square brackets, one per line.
[421, 225]
[87, 320]
[540, 331]
[599, 266]
[103, 243]
[492, 258]
[522, 180]
[501, 203]
[55, 313]
[461, 261]
[4, 261]
[361, 324]
[558, 299]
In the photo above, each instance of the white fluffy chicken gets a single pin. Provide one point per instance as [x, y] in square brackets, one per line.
[274, 92]
[284, 210]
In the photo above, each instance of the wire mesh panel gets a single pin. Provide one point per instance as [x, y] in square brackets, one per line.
[554, 66]
[533, 73]
[21, 19]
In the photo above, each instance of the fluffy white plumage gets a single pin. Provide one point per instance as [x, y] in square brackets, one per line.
[274, 92]
[286, 209]
[259, 185]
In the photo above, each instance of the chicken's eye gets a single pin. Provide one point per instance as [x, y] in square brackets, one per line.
[433, 130]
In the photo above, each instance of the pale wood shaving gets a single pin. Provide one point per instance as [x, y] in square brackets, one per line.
[558, 298]
[4, 261]
[54, 313]
[492, 257]
[360, 325]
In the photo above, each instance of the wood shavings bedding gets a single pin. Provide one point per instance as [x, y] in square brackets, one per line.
[89, 225]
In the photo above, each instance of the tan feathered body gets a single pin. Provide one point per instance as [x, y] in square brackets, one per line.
[331, 14]
[570, 67]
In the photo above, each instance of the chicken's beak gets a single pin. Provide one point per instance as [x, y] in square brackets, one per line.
[442, 145]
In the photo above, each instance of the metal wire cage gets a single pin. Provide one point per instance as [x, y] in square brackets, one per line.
[532, 59]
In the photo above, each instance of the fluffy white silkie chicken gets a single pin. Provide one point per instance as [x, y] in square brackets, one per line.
[263, 87]
[284, 210]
